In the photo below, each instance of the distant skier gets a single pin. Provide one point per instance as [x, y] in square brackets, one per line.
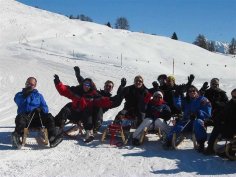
[30, 102]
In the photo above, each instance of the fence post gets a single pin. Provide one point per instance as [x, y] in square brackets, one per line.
[121, 60]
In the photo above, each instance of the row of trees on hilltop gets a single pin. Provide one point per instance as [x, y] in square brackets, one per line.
[121, 22]
[202, 42]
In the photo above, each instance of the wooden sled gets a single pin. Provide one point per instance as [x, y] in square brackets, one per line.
[75, 130]
[41, 137]
[227, 146]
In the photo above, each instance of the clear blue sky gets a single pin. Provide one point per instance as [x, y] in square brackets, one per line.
[215, 19]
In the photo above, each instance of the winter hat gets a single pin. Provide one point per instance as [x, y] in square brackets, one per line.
[215, 81]
[171, 78]
[138, 77]
[162, 76]
[158, 93]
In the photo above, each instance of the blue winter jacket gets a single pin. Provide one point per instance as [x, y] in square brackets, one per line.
[199, 106]
[32, 101]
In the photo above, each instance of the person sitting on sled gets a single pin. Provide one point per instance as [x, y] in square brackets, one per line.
[157, 112]
[196, 109]
[136, 99]
[84, 101]
[224, 125]
[32, 107]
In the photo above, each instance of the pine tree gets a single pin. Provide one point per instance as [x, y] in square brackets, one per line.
[108, 24]
[211, 46]
[232, 47]
[201, 41]
[174, 36]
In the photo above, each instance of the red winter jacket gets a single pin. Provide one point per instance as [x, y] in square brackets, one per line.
[86, 100]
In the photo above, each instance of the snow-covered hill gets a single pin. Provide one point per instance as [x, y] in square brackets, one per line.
[38, 43]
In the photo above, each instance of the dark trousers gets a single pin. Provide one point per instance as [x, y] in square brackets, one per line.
[67, 113]
[97, 116]
[22, 121]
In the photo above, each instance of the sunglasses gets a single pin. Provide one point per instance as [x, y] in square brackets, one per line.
[190, 91]
[157, 96]
[138, 81]
[28, 84]
[215, 84]
[108, 86]
[86, 84]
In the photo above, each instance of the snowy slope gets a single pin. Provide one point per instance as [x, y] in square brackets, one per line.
[38, 43]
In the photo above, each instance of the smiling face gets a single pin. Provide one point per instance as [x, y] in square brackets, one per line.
[86, 86]
[233, 94]
[30, 83]
[192, 92]
[138, 81]
[108, 86]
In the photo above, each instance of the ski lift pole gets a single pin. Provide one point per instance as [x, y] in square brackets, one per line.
[173, 71]
[121, 60]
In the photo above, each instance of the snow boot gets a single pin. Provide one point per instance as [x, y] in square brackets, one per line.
[57, 140]
[136, 142]
[209, 151]
[89, 136]
[15, 138]
[201, 147]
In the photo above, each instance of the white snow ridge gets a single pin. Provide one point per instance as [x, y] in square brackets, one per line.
[34, 42]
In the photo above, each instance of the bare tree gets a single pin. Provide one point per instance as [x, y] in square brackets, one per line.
[122, 23]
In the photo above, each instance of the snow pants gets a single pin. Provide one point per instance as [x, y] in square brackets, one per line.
[23, 120]
[151, 124]
[196, 126]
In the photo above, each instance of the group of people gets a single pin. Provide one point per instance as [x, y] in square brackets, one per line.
[151, 108]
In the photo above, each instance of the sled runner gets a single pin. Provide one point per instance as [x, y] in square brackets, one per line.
[226, 146]
[122, 127]
[178, 138]
[76, 129]
[41, 137]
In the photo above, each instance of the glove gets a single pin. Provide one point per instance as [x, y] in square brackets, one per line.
[193, 116]
[56, 79]
[155, 85]
[77, 71]
[37, 110]
[191, 78]
[208, 122]
[205, 86]
[123, 82]
[27, 91]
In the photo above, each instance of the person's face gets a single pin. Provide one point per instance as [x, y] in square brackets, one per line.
[157, 97]
[138, 83]
[233, 94]
[214, 85]
[108, 87]
[170, 82]
[86, 86]
[30, 83]
[162, 81]
[192, 93]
